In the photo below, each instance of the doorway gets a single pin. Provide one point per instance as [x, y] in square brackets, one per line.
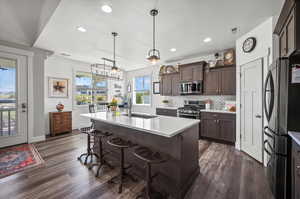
[13, 99]
[252, 109]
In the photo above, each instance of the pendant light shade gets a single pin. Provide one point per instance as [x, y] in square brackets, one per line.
[153, 54]
[114, 68]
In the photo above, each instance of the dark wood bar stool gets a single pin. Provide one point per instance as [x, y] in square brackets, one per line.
[121, 145]
[150, 158]
[89, 131]
[101, 161]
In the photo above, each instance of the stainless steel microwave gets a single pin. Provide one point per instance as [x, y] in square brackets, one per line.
[191, 88]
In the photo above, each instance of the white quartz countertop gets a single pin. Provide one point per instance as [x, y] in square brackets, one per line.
[160, 125]
[217, 111]
[295, 136]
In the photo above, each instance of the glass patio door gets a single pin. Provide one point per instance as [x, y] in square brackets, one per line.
[13, 99]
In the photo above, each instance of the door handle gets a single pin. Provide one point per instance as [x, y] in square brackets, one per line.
[24, 107]
[258, 116]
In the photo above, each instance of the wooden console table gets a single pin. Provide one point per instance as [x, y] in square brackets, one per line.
[60, 122]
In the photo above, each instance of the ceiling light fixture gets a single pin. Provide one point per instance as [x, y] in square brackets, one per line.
[81, 29]
[114, 68]
[106, 8]
[153, 54]
[173, 49]
[206, 40]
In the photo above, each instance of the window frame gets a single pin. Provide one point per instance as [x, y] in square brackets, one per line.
[134, 90]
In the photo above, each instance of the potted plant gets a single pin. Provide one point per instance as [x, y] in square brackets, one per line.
[113, 104]
[166, 102]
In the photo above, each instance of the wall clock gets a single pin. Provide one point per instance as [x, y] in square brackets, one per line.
[249, 44]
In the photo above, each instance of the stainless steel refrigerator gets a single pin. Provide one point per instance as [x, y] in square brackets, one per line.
[282, 109]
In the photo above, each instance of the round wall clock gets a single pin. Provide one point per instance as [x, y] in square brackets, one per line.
[249, 44]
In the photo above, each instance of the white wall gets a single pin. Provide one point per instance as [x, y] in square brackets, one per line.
[178, 101]
[264, 50]
[60, 67]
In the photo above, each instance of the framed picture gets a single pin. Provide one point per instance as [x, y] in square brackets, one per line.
[156, 88]
[58, 87]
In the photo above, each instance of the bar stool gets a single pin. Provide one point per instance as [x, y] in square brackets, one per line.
[150, 158]
[101, 161]
[90, 131]
[121, 145]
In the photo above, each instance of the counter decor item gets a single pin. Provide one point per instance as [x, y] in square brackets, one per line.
[208, 104]
[166, 102]
[230, 106]
[58, 87]
[113, 104]
[60, 107]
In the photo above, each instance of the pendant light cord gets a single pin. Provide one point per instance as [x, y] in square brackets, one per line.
[154, 32]
[114, 50]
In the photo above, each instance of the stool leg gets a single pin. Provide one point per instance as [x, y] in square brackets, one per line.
[121, 171]
[88, 149]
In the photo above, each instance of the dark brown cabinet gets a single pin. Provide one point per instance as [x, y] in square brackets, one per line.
[191, 72]
[295, 170]
[218, 126]
[287, 28]
[170, 85]
[166, 112]
[220, 81]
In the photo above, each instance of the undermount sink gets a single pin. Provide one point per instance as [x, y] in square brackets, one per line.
[144, 116]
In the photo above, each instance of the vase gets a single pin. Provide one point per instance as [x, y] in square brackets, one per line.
[60, 107]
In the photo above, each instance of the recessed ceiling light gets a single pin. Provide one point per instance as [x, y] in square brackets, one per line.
[173, 49]
[206, 40]
[65, 54]
[106, 8]
[81, 29]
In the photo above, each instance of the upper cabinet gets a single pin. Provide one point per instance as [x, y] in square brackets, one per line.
[170, 84]
[220, 81]
[191, 72]
[287, 29]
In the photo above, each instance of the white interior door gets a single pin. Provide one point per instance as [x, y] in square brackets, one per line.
[13, 99]
[251, 109]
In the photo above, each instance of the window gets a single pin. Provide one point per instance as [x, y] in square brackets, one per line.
[142, 89]
[84, 88]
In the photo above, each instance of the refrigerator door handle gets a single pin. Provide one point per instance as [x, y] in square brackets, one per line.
[269, 107]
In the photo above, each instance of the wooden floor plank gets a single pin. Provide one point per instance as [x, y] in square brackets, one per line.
[225, 173]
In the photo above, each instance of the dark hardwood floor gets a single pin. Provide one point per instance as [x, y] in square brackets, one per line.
[224, 174]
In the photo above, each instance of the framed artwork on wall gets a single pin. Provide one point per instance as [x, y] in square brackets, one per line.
[58, 87]
[156, 88]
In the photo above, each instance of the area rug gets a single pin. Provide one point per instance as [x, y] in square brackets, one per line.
[18, 158]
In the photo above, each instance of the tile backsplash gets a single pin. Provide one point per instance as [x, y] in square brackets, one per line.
[218, 101]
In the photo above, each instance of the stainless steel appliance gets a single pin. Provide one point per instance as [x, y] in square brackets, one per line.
[191, 109]
[191, 88]
[282, 110]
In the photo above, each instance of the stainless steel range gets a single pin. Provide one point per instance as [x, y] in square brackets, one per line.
[191, 109]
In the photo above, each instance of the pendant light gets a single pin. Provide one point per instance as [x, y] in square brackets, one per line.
[114, 68]
[153, 54]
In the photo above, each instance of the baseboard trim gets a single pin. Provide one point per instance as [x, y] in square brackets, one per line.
[37, 139]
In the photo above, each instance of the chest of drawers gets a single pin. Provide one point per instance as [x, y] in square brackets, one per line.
[60, 122]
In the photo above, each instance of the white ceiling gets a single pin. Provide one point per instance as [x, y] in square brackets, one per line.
[180, 24]
[22, 21]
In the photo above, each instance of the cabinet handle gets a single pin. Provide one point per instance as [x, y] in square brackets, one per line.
[298, 167]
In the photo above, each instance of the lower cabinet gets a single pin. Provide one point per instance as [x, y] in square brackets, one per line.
[218, 126]
[60, 122]
[295, 171]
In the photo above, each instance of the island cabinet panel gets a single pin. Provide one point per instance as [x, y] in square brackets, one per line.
[218, 126]
[60, 122]
[220, 81]
[177, 174]
[295, 170]
[166, 112]
[170, 85]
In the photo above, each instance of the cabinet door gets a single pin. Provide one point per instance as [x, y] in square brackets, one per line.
[209, 128]
[198, 72]
[186, 73]
[175, 85]
[211, 82]
[227, 129]
[166, 85]
[228, 81]
[290, 34]
[283, 44]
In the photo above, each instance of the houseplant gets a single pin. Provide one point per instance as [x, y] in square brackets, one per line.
[113, 104]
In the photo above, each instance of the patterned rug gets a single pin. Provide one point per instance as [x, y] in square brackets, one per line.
[18, 158]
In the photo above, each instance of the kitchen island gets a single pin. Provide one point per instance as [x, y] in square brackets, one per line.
[175, 137]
